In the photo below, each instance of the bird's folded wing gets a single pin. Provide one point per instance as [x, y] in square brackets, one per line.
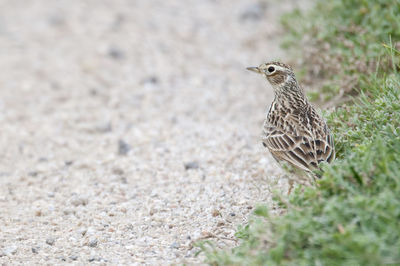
[305, 152]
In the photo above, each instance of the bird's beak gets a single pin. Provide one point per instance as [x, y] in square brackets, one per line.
[254, 69]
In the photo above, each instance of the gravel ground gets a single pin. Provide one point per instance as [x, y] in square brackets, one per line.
[130, 129]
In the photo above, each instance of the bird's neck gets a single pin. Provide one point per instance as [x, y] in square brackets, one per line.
[290, 95]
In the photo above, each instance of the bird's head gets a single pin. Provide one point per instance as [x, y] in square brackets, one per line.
[278, 74]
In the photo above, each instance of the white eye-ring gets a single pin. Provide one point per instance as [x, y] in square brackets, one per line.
[271, 69]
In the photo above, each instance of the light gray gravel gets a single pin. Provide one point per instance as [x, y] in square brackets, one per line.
[130, 129]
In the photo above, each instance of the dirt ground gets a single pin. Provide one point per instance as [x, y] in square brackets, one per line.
[130, 129]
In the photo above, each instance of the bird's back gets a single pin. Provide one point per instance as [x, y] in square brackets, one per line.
[297, 135]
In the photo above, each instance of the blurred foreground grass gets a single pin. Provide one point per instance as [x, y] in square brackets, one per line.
[352, 217]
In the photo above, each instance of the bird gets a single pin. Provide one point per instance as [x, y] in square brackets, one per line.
[293, 131]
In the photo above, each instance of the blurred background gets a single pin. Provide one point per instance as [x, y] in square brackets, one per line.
[70, 68]
[131, 128]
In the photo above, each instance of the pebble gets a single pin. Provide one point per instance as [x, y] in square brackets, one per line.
[93, 259]
[33, 173]
[96, 258]
[220, 223]
[73, 257]
[35, 250]
[191, 165]
[68, 211]
[62, 258]
[79, 200]
[116, 53]
[215, 213]
[93, 243]
[82, 231]
[11, 250]
[42, 159]
[130, 247]
[151, 80]
[123, 147]
[104, 127]
[117, 171]
[90, 231]
[50, 241]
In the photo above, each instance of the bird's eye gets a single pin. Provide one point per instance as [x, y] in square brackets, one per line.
[271, 69]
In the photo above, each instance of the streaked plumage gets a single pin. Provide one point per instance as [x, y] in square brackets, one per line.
[293, 131]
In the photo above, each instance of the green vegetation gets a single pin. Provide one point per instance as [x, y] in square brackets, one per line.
[352, 215]
[342, 43]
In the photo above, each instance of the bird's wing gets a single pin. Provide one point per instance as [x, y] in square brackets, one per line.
[304, 152]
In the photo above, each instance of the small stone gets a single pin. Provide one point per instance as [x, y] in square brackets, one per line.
[206, 234]
[91, 231]
[33, 173]
[50, 241]
[191, 165]
[94, 258]
[68, 163]
[117, 171]
[151, 80]
[220, 223]
[11, 250]
[123, 147]
[73, 257]
[93, 92]
[62, 258]
[104, 127]
[76, 201]
[93, 243]
[216, 213]
[232, 214]
[116, 53]
[82, 231]
[35, 250]
[130, 247]
[68, 211]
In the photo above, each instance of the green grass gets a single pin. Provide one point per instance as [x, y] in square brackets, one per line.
[342, 43]
[352, 215]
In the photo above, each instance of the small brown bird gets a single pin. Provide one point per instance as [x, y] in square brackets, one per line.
[293, 131]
